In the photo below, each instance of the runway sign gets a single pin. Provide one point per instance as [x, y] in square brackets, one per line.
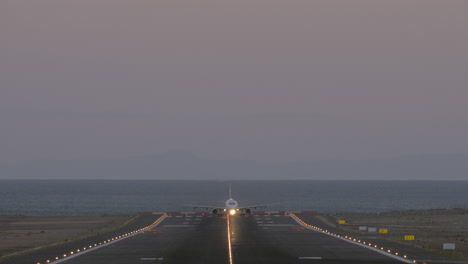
[408, 237]
[383, 231]
[449, 246]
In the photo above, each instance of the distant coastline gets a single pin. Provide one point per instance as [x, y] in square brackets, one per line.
[122, 197]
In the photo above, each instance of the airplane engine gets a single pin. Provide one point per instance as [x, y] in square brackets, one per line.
[215, 211]
[247, 211]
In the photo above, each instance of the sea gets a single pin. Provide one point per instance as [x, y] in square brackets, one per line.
[121, 197]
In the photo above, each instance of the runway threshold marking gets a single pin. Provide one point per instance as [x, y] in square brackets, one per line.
[151, 258]
[352, 241]
[179, 225]
[229, 238]
[155, 223]
[275, 225]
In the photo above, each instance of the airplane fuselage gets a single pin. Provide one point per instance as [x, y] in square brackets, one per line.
[232, 207]
[231, 204]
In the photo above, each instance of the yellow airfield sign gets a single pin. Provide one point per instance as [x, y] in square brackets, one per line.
[409, 237]
[341, 221]
[383, 231]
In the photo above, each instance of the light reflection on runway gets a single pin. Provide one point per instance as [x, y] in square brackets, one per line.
[229, 237]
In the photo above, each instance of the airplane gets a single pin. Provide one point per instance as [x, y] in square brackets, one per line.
[232, 207]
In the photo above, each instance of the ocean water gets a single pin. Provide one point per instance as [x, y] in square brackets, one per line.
[77, 197]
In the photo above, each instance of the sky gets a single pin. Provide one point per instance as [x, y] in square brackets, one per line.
[261, 80]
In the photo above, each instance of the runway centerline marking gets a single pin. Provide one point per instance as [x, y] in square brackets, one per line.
[229, 238]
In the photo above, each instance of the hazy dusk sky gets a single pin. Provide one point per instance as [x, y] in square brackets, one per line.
[258, 79]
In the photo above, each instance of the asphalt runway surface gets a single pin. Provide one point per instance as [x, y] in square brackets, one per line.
[204, 239]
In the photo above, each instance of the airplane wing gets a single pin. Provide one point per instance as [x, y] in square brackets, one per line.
[258, 206]
[213, 209]
[204, 206]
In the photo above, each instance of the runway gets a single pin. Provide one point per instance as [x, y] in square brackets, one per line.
[273, 238]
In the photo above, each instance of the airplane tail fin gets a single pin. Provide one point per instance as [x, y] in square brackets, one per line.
[230, 193]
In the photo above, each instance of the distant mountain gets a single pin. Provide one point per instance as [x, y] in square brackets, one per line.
[184, 165]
